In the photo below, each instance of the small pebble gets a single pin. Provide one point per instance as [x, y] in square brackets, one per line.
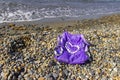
[28, 54]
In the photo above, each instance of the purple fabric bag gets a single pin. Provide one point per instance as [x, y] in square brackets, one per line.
[72, 48]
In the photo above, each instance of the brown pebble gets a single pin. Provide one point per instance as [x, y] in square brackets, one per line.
[78, 78]
[116, 78]
[41, 78]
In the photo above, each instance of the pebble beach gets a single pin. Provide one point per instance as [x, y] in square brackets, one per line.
[27, 50]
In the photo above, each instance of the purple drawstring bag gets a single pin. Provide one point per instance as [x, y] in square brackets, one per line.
[72, 48]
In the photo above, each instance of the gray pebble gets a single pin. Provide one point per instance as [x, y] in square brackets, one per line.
[55, 75]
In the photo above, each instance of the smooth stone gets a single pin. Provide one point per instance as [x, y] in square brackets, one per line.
[41, 78]
[55, 75]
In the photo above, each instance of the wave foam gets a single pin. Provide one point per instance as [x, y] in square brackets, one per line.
[14, 12]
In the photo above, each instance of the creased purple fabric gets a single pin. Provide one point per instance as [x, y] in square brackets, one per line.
[71, 48]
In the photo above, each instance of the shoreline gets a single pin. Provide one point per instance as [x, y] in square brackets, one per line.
[27, 50]
[68, 21]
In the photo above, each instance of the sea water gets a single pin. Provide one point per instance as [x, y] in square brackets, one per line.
[31, 10]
